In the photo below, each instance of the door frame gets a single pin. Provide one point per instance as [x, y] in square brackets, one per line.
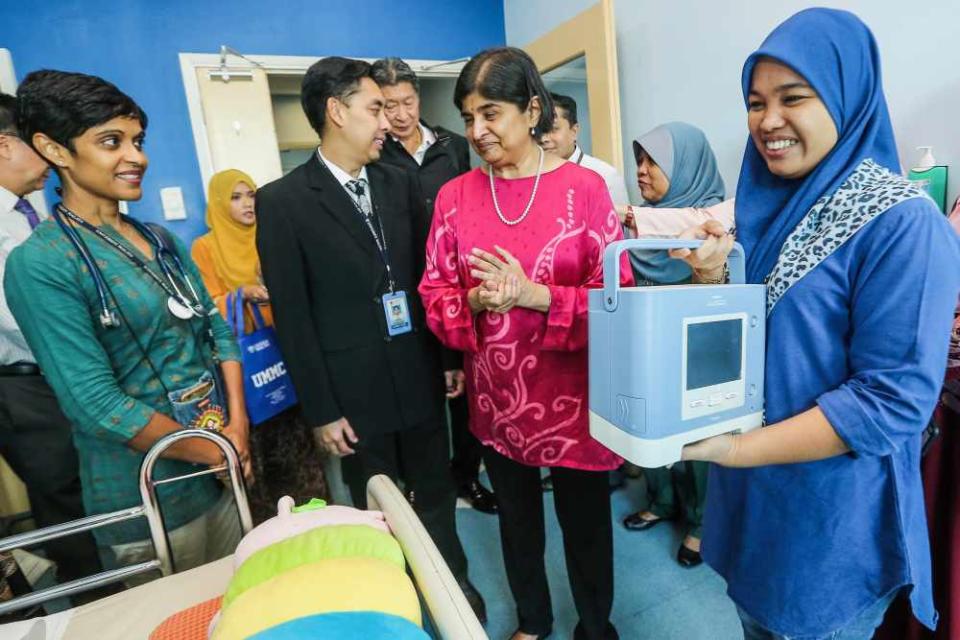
[578, 37]
[190, 63]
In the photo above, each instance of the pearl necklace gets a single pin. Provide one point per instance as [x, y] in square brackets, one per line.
[533, 195]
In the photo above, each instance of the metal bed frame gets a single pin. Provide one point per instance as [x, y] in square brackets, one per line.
[149, 509]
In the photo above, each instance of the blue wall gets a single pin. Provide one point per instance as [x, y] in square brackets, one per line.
[135, 44]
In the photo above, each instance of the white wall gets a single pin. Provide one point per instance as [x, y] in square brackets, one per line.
[681, 60]
[577, 91]
[438, 110]
[436, 103]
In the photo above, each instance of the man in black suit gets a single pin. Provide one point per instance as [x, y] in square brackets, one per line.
[342, 246]
[436, 156]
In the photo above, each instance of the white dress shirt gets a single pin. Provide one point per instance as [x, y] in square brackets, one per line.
[427, 139]
[343, 177]
[615, 184]
[14, 230]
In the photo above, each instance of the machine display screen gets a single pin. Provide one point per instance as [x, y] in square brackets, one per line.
[714, 353]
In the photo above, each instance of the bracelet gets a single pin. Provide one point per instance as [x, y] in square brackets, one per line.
[722, 279]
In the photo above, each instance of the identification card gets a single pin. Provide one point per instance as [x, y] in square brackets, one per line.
[397, 312]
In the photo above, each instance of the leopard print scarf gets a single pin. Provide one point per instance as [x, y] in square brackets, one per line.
[835, 218]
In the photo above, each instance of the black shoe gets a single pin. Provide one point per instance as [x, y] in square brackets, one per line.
[609, 634]
[474, 598]
[547, 483]
[687, 557]
[479, 497]
[634, 522]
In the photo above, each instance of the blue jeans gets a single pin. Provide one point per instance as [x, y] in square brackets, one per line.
[860, 628]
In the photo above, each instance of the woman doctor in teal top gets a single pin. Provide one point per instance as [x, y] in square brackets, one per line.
[121, 325]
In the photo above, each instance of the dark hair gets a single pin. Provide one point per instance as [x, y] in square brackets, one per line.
[389, 72]
[8, 114]
[332, 77]
[509, 75]
[567, 105]
[63, 105]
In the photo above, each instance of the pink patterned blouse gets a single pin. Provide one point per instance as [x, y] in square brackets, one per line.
[526, 370]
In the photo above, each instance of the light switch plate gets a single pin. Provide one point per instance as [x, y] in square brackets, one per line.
[173, 207]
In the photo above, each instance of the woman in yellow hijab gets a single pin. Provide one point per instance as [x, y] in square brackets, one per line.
[227, 255]
[284, 455]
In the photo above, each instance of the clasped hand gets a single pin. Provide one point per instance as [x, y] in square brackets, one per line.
[708, 259]
[503, 282]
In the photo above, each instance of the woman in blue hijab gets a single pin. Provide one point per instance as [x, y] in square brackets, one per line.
[816, 521]
[676, 169]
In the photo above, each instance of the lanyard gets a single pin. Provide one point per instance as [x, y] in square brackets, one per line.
[380, 239]
[379, 236]
[168, 286]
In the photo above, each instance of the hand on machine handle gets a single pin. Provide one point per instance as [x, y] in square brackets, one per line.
[708, 260]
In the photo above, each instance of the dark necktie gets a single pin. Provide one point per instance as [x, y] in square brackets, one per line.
[359, 189]
[24, 207]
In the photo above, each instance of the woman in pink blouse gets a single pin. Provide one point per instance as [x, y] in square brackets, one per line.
[513, 249]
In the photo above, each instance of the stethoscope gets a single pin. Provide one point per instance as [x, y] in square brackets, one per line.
[180, 305]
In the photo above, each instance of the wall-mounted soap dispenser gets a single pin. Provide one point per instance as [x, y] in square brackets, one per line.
[931, 176]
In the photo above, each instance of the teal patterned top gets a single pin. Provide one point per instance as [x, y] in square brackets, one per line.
[103, 383]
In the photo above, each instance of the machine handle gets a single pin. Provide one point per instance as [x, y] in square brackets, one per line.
[611, 263]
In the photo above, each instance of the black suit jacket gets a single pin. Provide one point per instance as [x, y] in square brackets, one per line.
[326, 278]
[446, 159]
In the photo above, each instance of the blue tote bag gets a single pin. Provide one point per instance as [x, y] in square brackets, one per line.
[267, 387]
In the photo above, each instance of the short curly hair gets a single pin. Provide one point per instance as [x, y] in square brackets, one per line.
[62, 105]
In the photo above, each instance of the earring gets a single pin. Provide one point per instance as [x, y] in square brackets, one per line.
[533, 131]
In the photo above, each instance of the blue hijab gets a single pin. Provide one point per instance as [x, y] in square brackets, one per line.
[684, 155]
[837, 55]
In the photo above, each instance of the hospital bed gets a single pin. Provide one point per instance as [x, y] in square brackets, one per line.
[135, 613]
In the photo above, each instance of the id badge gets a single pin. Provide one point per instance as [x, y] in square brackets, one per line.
[397, 312]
